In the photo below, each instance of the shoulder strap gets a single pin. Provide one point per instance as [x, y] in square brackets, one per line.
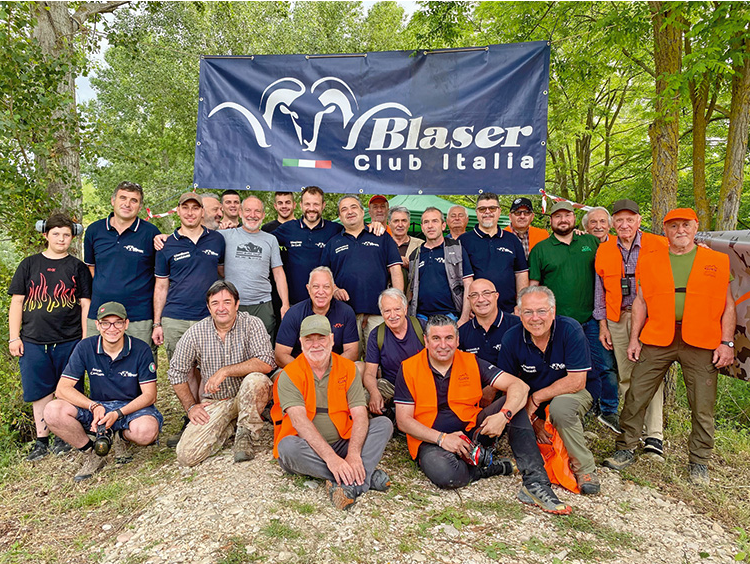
[381, 335]
[417, 328]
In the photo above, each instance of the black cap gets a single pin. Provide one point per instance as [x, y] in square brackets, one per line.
[521, 203]
[625, 205]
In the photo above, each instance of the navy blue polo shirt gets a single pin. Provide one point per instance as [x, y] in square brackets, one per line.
[393, 352]
[118, 379]
[360, 266]
[343, 324]
[434, 294]
[123, 266]
[191, 269]
[567, 351]
[446, 420]
[497, 258]
[304, 248]
[486, 344]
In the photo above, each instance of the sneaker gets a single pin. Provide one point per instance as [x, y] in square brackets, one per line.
[699, 474]
[39, 451]
[60, 447]
[91, 465]
[588, 484]
[654, 448]
[611, 421]
[380, 481]
[620, 460]
[498, 467]
[543, 497]
[174, 439]
[243, 445]
[342, 497]
[121, 447]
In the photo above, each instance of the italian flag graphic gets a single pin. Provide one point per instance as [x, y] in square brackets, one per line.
[306, 163]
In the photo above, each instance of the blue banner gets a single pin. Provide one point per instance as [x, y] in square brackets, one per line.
[398, 122]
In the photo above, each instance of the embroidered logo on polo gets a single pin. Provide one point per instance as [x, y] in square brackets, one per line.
[370, 244]
[320, 245]
[342, 248]
[180, 256]
[128, 374]
[504, 250]
[586, 249]
[295, 244]
[210, 253]
[96, 372]
[338, 325]
[557, 366]
[248, 251]
[133, 249]
[529, 369]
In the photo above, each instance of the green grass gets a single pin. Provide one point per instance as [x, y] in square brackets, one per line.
[537, 546]
[278, 530]
[451, 516]
[571, 524]
[301, 508]
[111, 492]
[236, 553]
[505, 509]
[496, 550]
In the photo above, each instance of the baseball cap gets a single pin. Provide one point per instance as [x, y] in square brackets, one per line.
[625, 205]
[681, 213]
[519, 203]
[111, 308]
[187, 196]
[315, 325]
[377, 198]
[559, 206]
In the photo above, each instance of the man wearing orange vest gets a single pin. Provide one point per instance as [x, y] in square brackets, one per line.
[320, 419]
[684, 312]
[614, 294]
[437, 405]
[521, 216]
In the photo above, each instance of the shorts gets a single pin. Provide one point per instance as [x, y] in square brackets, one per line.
[41, 367]
[85, 417]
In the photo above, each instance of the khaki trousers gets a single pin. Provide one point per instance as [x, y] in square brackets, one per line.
[365, 324]
[566, 414]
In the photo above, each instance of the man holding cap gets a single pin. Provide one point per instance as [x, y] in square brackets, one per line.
[321, 426]
[521, 216]
[122, 382]
[614, 294]
[684, 312]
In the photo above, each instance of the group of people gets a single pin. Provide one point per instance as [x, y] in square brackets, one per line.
[340, 332]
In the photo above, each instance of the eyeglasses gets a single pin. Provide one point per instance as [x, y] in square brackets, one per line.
[485, 209]
[539, 312]
[521, 213]
[487, 294]
[107, 324]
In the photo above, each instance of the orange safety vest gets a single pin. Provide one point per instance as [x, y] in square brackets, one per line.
[705, 298]
[464, 391]
[610, 267]
[341, 377]
[557, 460]
[536, 235]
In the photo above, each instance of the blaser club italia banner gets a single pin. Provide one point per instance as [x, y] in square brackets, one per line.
[399, 122]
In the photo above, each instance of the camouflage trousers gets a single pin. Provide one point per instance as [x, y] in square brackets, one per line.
[198, 442]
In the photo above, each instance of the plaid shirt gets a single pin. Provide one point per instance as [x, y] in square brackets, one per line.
[524, 237]
[202, 347]
[630, 260]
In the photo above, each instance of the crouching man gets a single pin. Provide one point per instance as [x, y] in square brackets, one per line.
[437, 405]
[122, 382]
[321, 426]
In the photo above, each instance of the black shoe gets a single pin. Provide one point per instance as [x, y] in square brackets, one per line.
[173, 440]
[39, 451]
[699, 474]
[60, 447]
[620, 460]
[588, 484]
[498, 467]
[611, 421]
[543, 497]
[380, 481]
[654, 447]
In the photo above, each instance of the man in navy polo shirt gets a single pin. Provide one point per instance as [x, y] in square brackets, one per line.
[122, 380]
[495, 254]
[483, 334]
[321, 302]
[550, 353]
[304, 240]
[361, 262]
[442, 270]
[119, 252]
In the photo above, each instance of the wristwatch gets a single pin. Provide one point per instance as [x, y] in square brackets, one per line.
[508, 413]
[730, 344]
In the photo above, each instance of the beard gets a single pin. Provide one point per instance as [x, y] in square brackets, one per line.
[563, 230]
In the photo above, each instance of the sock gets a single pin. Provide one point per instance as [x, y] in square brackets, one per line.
[87, 447]
[43, 440]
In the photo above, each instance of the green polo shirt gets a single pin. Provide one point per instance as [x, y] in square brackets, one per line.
[567, 270]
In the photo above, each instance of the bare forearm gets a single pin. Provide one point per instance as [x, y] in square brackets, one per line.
[411, 426]
[283, 355]
[66, 391]
[244, 368]
[185, 395]
[397, 277]
[147, 397]
[729, 319]
[637, 318]
[360, 423]
[161, 289]
[85, 306]
[370, 377]
[15, 315]
[351, 351]
[281, 285]
[517, 396]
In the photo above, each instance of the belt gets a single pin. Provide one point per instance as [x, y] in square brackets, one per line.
[627, 308]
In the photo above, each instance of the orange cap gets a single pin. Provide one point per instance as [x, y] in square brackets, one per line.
[681, 213]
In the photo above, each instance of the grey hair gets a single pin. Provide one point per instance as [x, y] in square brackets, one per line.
[585, 220]
[399, 209]
[440, 321]
[434, 209]
[321, 269]
[392, 293]
[262, 205]
[349, 196]
[536, 290]
[210, 195]
[462, 208]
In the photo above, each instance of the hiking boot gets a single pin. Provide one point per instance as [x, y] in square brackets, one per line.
[91, 465]
[699, 474]
[59, 447]
[611, 421]
[174, 439]
[380, 481]
[588, 484]
[654, 448]
[342, 497]
[543, 497]
[498, 467]
[620, 460]
[121, 447]
[39, 451]
[243, 445]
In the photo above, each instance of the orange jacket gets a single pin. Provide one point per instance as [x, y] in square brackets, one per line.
[341, 377]
[464, 391]
[611, 268]
[705, 298]
[535, 235]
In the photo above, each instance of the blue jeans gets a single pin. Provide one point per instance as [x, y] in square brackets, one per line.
[609, 401]
[598, 361]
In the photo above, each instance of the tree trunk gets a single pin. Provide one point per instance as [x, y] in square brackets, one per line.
[699, 99]
[664, 132]
[734, 162]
